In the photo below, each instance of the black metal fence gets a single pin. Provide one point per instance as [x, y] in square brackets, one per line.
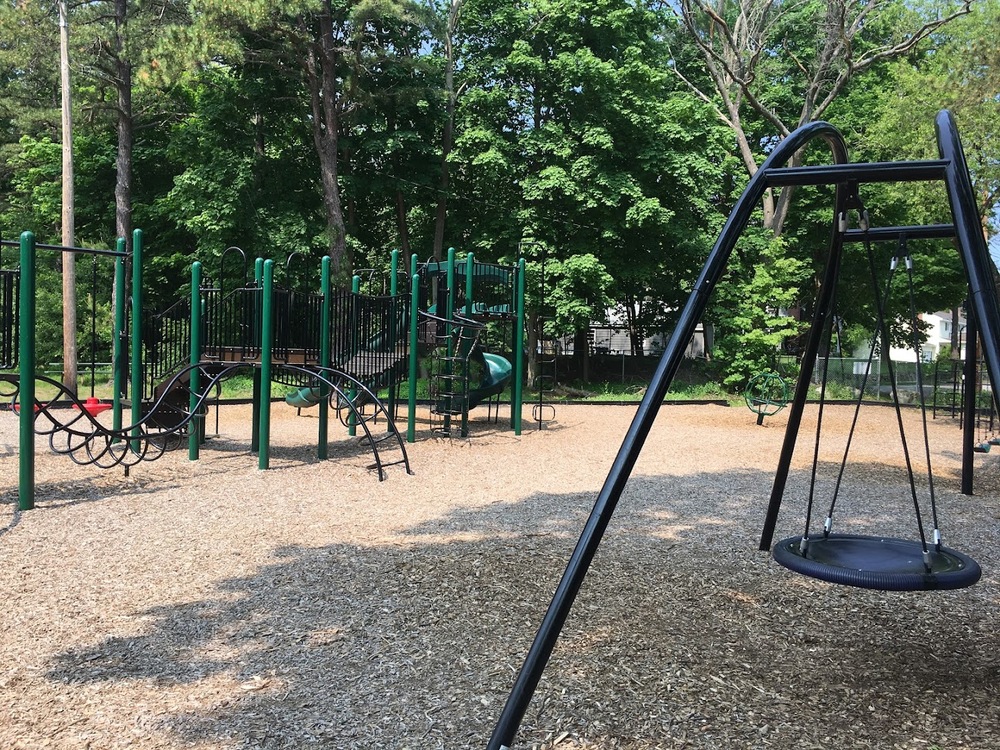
[166, 337]
[368, 334]
[9, 285]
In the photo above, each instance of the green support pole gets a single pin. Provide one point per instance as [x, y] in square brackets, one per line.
[325, 358]
[194, 428]
[411, 396]
[411, 414]
[469, 307]
[517, 391]
[258, 277]
[136, 351]
[118, 344]
[394, 271]
[26, 375]
[352, 393]
[266, 345]
[469, 289]
[450, 309]
[449, 313]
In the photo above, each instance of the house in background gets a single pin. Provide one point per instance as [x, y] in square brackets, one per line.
[938, 337]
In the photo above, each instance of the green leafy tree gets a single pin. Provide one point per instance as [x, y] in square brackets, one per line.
[571, 133]
[327, 50]
[577, 286]
[772, 67]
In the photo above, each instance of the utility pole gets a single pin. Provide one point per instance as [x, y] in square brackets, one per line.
[69, 377]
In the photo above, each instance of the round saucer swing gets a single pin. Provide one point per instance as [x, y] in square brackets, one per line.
[876, 562]
[872, 562]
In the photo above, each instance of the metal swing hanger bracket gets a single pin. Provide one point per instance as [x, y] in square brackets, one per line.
[852, 202]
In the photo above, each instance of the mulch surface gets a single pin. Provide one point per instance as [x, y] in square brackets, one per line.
[212, 605]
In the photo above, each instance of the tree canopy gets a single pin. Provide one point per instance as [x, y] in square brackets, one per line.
[616, 134]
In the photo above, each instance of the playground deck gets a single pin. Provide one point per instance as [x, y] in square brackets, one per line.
[211, 605]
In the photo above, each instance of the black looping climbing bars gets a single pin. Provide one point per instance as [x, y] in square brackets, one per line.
[950, 167]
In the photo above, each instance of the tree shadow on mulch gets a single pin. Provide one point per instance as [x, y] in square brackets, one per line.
[682, 636]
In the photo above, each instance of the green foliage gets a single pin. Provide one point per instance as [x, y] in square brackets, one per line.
[750, 307]
[578, 292]
[572, 129]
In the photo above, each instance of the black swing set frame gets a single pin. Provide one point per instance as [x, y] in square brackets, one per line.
[983, 307]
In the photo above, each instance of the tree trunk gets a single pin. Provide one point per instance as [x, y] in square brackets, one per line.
[69, 375]
[123, 161]
[448, 134]
[401, 225]
[321, 69]
[531, 361]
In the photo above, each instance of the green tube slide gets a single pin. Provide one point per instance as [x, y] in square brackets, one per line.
[497, 372]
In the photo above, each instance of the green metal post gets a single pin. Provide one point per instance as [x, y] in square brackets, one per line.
[450, 309]
[517, 390]
[118, 345]
[325, 358]
[352, 393]
[411, 396]
[26, 374]
[258, 277]
[266, 345]
[393, 327]
[450, 314]
[135, 393]
[469, 307]
[469, 289]
[194, 426]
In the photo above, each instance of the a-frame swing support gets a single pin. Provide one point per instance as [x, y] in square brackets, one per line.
[966, 228]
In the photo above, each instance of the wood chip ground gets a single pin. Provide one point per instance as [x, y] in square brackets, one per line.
[211, 605]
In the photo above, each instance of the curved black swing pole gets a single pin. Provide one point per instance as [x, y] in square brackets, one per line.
[971, 243]
[586, 547]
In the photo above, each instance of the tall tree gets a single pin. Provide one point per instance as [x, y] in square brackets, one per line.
[327, 46]
[768, 66]
[448, 33]
[572, 133]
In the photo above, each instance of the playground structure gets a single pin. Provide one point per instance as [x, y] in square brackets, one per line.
[872, 562]
[344, 352]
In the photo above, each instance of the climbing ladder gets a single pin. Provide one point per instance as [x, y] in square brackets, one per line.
[453, 342]
[545, 376]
